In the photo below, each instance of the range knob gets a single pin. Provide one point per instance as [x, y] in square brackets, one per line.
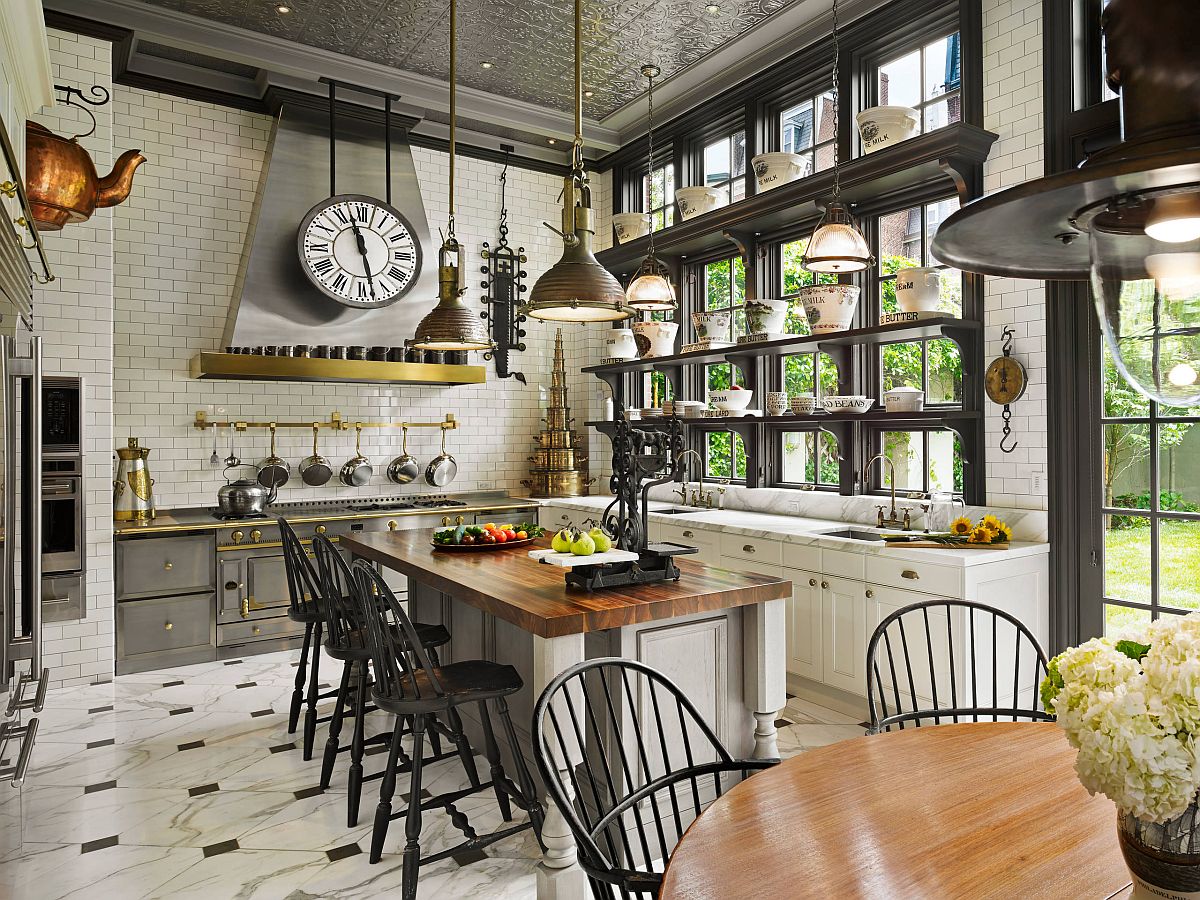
[255, 536]
[393, 525]
[320, 529]
[236, 537]
[458, 520]
[445, 520]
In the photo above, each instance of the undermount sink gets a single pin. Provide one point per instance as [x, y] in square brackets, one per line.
[683, 510]
[853, 534]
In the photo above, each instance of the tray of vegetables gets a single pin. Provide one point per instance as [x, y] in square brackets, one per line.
[476, 538]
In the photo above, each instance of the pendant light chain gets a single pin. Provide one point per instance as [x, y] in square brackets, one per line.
[650, 139]
[453, 110]
[577, 147]
[837, 58]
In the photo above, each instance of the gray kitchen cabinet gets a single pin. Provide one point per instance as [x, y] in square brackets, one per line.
[164, 566]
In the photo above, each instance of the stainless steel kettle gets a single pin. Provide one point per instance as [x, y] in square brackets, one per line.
[244, 497]
[133, 488]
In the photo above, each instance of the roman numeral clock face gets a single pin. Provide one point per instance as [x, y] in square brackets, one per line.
[358, 250]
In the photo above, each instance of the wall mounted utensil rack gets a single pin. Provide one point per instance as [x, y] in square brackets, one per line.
[334, 423]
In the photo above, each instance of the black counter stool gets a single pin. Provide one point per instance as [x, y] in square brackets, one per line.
[408, 683]
[347, 643]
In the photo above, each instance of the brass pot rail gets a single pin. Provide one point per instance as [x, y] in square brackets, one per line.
[335, 423]
[15, 188]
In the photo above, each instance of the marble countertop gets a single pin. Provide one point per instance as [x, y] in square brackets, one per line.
[806, 531]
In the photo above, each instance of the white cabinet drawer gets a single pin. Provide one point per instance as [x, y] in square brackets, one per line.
[554, 518]
[924, 577]
[843, 564]
[800, 556]
[755, 549]
[706, 541]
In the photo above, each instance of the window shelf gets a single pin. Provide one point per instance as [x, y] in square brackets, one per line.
[943, 326]
[948, 155]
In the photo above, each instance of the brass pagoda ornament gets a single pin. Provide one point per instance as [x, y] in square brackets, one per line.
[560, 467]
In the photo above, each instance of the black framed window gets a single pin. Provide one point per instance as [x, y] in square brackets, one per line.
[658, 196]
[1150, 490]
[928, 79]
[807, 459]
[723, 164]
[809, 127]
[925, 460]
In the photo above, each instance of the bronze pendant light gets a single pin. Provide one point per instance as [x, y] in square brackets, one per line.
[651, 289]
[837, 244]
[1128, 218]
[451, 325]
[577, 288]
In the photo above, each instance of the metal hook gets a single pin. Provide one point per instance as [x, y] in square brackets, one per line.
[1006, 415]
[1007, 334]
[73, 92]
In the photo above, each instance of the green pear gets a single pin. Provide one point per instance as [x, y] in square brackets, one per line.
[602, 540]
[583, 545]
[561, 542]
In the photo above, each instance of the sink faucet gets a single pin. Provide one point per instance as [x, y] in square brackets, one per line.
[891, 519]
[683, 490]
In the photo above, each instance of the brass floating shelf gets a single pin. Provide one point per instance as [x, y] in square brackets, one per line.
[245, 367]
[335, 422]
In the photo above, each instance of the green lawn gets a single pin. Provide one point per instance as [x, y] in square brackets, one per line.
[1127, 569]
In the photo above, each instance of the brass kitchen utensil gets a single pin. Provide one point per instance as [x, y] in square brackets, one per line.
[404, 468]
[315, 470]
[442, 470]
[274, 471]
[358, 471]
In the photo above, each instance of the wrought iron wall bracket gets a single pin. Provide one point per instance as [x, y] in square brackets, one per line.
[503, 284]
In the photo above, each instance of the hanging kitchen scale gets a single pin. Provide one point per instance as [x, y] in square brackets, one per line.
[1005, 382]
[504, 285]
[356, 249]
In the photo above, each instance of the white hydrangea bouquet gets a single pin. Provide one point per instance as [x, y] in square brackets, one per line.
[1131, 708]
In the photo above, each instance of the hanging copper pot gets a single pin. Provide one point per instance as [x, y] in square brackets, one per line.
[61, 179]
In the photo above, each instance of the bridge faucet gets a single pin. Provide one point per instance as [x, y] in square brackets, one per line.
[891, 519]
[683, 491]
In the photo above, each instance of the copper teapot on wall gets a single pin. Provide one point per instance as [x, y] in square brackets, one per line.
[61, 180]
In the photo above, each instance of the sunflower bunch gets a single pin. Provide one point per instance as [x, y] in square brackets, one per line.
[988, 530]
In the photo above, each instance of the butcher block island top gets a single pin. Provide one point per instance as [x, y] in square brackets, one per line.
[536, 598]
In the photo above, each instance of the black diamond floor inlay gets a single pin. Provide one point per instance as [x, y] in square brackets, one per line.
[102, 786]
[343, 852]
[233, 662]
[172, 683]
[791, 696]
[281, 748]
[218, 849]
[202, 790]
[92, 745]
[308, 792]
[191, 745]
[247, 684]
[100, 709]
[295, 665]
[425, 795]
[262, 712]
[864, 724]
[99, 843]
[180, 711]
[466, 857]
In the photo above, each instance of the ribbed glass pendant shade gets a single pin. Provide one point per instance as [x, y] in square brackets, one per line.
[651, 289]
[837, 246]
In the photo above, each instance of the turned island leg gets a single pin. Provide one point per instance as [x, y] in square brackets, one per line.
[764, 652]
[559, 876]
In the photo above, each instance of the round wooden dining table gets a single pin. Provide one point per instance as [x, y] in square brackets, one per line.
[977, 810]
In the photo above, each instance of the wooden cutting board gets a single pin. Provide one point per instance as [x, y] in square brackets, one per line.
[934, 545]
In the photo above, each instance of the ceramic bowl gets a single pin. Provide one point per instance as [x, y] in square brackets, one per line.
[619, 344]
[829, 307]
[630, 226]
[882, 126]
[777, 403]
[730, 399]
[711, 325]
[847, 403]
[774, 169]
[655, 338]
[766, 316]
[904, 399]
[803, 404]
[918, 289]
[696, 201]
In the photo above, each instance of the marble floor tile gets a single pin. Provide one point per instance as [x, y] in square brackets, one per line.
[61, 872]
[245, 875]
[821, 714]
[56, 816]
[313, 823]
[208, 819]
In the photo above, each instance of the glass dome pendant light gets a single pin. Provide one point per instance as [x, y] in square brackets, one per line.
[837, 245]
[577, 288]
[651, 289]
[1128, 218]
[451, 325]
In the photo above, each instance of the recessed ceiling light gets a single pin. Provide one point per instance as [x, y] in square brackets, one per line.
[551, 140]
[486, 65]
[712, 9]
[283, 9]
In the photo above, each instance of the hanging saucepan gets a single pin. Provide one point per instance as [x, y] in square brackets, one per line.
[274, 471]
[442, 470]
[315, 469]
[404, 468]
[357, 471]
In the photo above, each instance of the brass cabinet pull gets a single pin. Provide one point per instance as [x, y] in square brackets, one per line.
[168, 566]
[168, 626]
[825, 585]
[393, 525]
[320, 529]
[812, 582]
[256, 630]
[564, 517]
[244, 607]
[910, 574]
[870, 593]
[748, 548]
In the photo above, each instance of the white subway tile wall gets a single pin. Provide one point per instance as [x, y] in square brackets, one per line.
[1012, 97]
[74, 316]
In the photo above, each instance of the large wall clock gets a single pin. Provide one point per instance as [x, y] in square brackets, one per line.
[358, 250]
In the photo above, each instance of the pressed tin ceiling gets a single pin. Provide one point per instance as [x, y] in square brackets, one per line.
[527, 42]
